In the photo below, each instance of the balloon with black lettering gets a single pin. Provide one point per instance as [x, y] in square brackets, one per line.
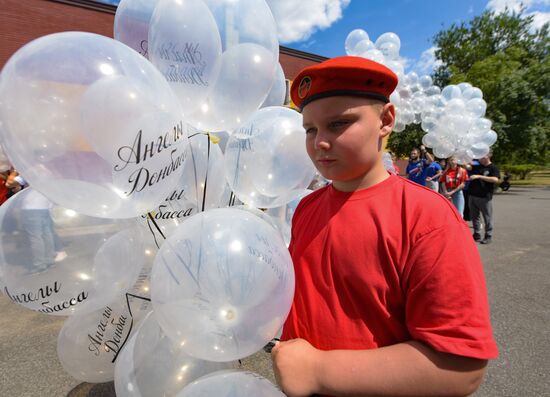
[185, 45]
[88, 345]
[56, 261]
[91, 124]
[132, 19]
[150, 364]
[231, 383]
[222, 284]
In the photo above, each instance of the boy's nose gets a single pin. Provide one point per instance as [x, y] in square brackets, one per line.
[321, 143]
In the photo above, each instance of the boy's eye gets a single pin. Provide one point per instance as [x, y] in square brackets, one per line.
[339, 123]
[310, 130]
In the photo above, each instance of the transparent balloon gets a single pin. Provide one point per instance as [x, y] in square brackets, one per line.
[222, 284]
[203, 181]
[374, 55]
[389, 49]
[56, 261]
[388, 37]
[185, 45]
[472, 92]
[248, 64]
[247, 72]
[489, 138]
[430, 140]
[277, 94]
[282, 216]
[480, 150]
[353, 39]
[451, 92]
[266, 161]
[55, 92]
[364, 46]
[132, 20]
[150, 364]
[88, 345]
[425, 82]
[231, 384]
[476, 107]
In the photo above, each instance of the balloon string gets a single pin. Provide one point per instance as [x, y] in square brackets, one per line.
[206, 176]
[150, 218]
[131, 322]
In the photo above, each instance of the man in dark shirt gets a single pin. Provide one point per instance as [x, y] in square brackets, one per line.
[483, 180]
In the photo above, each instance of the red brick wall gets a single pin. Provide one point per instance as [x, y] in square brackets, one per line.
[24, 20]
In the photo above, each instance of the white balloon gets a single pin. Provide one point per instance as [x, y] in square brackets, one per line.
[277, 94]
[476, 107]
[88, 345]
[489, 138]
[388, 37]
[53, 87]
[266, 162]
[451, 92]
[132, 20]
[56, 261]
[480, 150]
[222, 284]
[247, 72]
[185, 45]
[355, 37]
[231, 384]
[150, 364]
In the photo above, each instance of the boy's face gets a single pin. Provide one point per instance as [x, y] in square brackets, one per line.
[344, 135]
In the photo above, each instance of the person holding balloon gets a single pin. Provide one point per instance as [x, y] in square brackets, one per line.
[390, 296]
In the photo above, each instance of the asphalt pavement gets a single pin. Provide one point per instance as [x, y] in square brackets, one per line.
[517, 269]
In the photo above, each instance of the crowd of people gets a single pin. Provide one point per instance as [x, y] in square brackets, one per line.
[469, 187]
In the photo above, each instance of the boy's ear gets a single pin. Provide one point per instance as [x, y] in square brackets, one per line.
[387, 117]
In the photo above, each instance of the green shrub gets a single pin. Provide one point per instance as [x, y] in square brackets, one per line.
[518, 171]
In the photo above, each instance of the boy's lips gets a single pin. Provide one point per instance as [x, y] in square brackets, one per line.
[325, 160]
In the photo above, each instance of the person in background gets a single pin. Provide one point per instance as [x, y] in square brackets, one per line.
[390, 297]
[4, 190]
[453, 180]
[484, 178]
[466, 190]
[418, 162]
[395, 167]
[433, 173]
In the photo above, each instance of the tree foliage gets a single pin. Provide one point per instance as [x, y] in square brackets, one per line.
[500, 54]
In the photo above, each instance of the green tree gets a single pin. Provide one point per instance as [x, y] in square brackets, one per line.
[500, 54]
[401, 143]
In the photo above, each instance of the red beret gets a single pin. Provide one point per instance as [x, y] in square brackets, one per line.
[343, 76]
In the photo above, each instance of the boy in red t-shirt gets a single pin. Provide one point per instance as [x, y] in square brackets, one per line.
[386, 301]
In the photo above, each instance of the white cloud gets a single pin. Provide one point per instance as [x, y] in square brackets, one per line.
[536, 8]
[539, 18]
[298, 20]
[427, 62]
[513, 5]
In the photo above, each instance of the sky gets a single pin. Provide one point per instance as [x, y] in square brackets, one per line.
[321, 26]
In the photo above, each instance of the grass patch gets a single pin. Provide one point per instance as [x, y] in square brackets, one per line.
[535, 180]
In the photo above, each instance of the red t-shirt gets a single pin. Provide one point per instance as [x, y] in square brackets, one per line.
[454, 177]
[384, 265]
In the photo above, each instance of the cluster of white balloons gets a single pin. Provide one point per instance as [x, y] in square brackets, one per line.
[125, 226]
[452, 117]
[457, 126]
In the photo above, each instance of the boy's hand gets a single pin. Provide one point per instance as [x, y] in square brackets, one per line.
[295, 366]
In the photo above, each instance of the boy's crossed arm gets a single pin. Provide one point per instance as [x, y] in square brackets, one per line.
[406, 369]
